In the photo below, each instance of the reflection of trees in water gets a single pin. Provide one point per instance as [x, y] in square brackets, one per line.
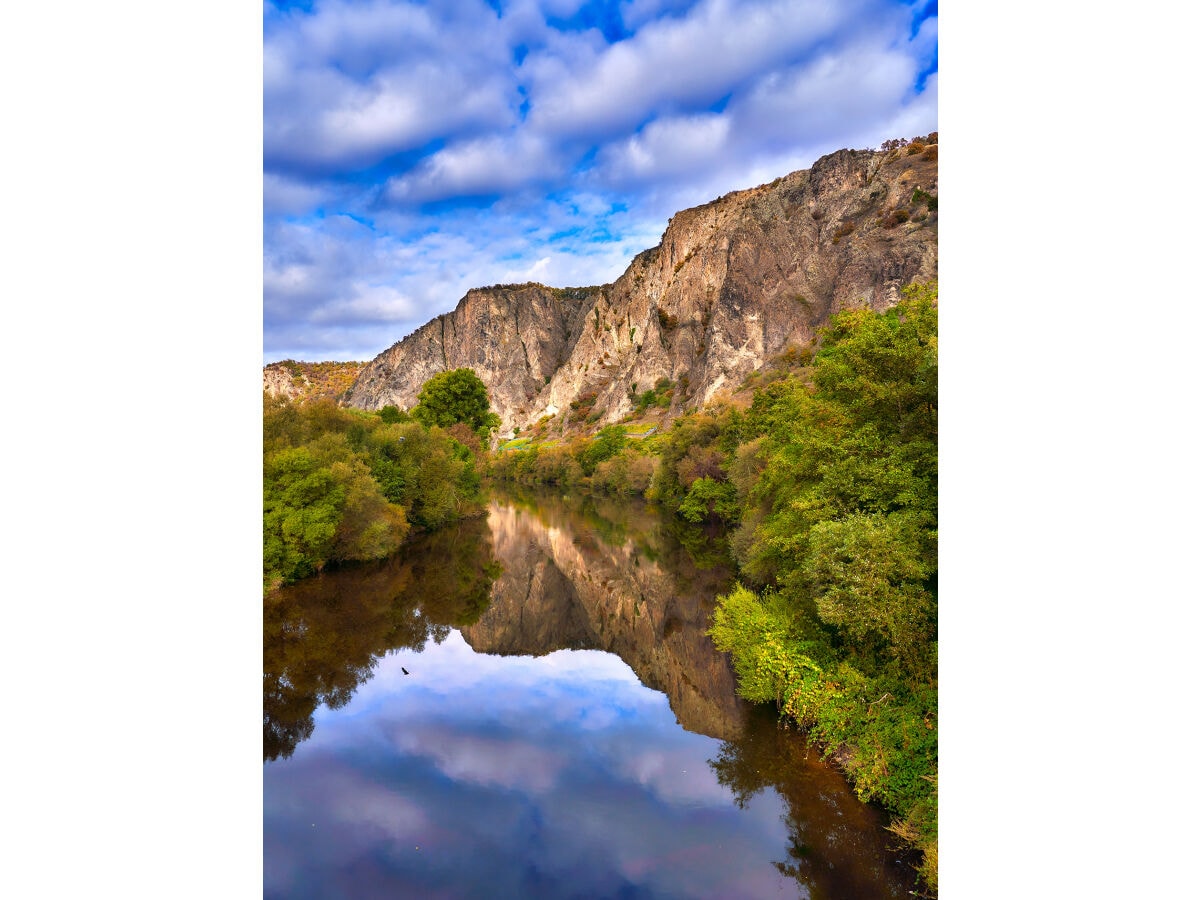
[837, 848]
[658, 536]
[324, 636]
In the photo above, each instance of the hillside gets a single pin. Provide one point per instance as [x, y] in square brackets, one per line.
[732, 284]
[301, 381]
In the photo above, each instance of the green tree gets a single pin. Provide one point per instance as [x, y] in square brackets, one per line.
[424, 470]
[709, 498]
[456, 396]
[391, 414]
[605, 444]
[869, 579]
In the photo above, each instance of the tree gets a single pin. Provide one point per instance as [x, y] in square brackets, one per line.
[869, 578]
[391, 414]
[605, 444]
[456, 396]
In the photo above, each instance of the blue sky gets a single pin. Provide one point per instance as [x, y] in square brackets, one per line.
[413, 150]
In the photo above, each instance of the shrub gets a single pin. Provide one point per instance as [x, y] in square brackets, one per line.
[660, 395]
[629, 472]
[843, 229]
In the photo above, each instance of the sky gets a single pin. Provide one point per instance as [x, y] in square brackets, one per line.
[414, 150]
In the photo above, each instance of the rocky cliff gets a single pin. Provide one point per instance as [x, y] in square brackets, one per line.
[733, 283]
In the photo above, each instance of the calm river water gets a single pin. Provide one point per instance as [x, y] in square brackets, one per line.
[527, 706]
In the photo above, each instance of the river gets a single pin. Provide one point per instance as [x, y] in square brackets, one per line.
[526, 705]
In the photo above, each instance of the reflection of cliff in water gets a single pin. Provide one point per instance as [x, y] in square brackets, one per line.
[615, 577]
[323, 636]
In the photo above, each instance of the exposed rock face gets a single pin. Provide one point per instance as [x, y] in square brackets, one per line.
[515, 337]
[277, 381]
[733, 283]
[562, 588]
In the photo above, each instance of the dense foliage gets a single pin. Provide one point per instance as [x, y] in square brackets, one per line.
[341, 484]
[608, 462]
[837, 481]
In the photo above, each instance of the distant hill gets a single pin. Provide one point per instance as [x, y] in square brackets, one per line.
[301, 381]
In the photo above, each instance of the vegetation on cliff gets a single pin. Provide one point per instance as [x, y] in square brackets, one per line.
[310, 381]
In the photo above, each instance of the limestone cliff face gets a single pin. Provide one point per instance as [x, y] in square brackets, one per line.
[515, 337]
[733, 283]
[562, 588]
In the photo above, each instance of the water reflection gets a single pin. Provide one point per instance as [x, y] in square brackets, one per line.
[483, 776]
[836, 847]
[324, 636]
[518, 685]
[613, 576]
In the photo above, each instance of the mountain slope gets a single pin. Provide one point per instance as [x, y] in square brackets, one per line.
[733, 283]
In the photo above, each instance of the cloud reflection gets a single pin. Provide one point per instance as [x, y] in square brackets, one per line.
[515, 777]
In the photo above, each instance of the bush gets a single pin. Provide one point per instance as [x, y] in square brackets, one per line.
[629, 472]
[842, 230]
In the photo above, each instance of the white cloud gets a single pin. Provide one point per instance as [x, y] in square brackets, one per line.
[667, 147]
[635, 13]
[480, 760]
[694, 60]
[367, 303]
[834, 93]
[353, 83]
[537, 271]
[325, 118]
[485, 166]
[290, 196]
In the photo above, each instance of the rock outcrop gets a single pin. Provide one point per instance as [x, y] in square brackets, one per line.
[733, 283]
